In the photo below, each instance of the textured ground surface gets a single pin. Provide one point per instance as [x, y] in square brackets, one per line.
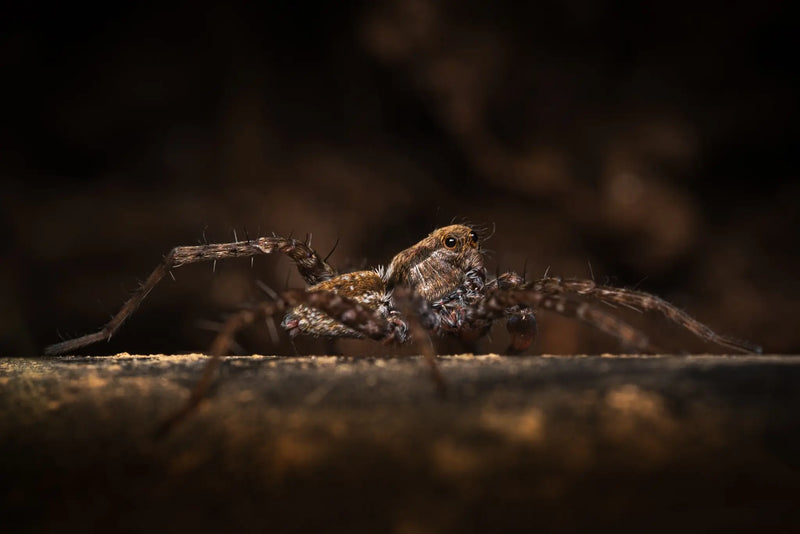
[697, 444]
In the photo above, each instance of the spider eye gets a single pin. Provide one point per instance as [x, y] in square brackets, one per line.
[450, 242]
[473, 237]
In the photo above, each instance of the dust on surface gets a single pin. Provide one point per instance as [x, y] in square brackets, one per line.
[515, 441]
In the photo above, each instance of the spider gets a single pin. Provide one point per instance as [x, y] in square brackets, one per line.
[437, 286]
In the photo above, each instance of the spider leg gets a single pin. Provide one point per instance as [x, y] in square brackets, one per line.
[417, 311]
[312, 268]
[643, 301]
[369, 323]
[365, 321]
[537, 292]
[510, 292]
[600, 319]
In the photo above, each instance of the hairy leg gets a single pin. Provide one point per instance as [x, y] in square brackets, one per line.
[640, 300]
[419, 315]
[554, 293]
[606, 322]
[369, 323]
[312, 268]
[500, 301]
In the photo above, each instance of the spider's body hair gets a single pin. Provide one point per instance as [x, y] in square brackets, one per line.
[437, 265]
[365, 287]
[444, 269]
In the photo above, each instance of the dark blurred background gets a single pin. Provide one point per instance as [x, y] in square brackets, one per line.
[654, 143]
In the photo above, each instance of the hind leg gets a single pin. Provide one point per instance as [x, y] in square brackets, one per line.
[313, 269]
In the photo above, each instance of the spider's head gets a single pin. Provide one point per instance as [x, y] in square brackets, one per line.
[437, 265]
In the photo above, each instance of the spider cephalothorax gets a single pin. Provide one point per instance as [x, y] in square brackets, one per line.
[439, 264]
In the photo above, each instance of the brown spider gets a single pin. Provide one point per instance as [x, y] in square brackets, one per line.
[436, 286]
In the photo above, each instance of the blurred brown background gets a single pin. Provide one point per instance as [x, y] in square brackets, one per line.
[655, 143]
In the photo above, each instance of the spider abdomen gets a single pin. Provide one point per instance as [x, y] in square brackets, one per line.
[365, 287]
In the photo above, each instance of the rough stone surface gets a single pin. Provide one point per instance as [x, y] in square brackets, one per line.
[328, 444]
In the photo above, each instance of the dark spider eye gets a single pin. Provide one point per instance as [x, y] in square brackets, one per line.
[473, 237]
[450, 242]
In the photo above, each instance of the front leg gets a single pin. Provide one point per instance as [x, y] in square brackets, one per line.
[638, 300]
[512, 297]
